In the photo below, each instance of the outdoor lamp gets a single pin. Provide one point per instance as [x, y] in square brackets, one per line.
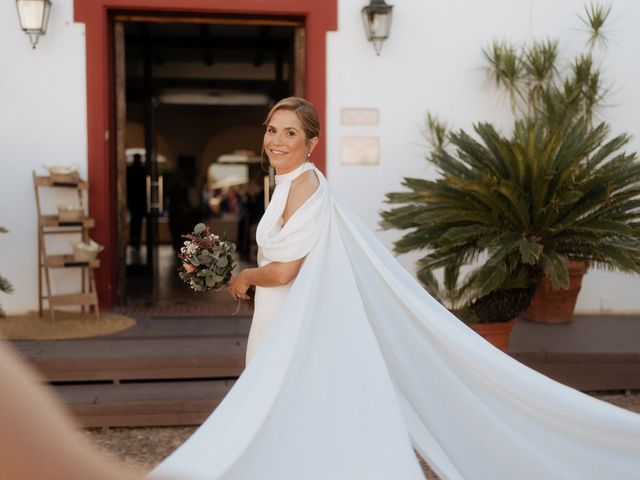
[33, 16]
[377, 22]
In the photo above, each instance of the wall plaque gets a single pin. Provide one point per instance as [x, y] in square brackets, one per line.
[359, 116]
[360, 150]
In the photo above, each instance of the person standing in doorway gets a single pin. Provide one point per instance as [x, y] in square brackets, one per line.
[136, 198]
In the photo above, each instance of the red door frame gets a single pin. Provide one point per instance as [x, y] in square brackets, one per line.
[320, 16]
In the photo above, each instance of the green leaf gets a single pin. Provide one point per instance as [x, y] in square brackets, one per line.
[199, 228]
[464, 233]
[5, 285]
[490, 278]
[530, 251]
[205, 259]
[428, 280]
[555, 269]
[451, 275]
[222, 262]
[507, 240]
[217, 278]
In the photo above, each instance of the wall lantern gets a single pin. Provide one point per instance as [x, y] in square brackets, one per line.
[33, 16]
[377, 22]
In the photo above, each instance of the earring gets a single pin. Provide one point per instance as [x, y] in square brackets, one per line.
[309, 155]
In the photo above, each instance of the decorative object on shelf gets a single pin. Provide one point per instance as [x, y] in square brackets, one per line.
[63, 174]
[377, 22]
[70, 213]
[34, 17]
[86, 251]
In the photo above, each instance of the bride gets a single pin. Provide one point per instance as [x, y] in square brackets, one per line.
[351, 364]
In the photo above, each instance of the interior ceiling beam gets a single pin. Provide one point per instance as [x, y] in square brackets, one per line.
[243, 20]
[136, 95]
[212, 41]
[205, 83]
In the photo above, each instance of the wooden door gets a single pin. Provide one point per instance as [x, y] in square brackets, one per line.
[121, 159]
[299, 58]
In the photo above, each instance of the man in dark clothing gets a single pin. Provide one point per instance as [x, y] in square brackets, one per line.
[136, 198]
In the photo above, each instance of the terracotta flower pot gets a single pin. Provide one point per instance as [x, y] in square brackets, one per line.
[556, 306]
[496, 333]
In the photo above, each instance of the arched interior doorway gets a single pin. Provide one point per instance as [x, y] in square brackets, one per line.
[316, 17]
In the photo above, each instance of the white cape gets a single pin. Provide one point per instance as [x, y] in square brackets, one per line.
[360, 364]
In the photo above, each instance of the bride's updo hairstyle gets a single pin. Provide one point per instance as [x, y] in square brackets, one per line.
[305, 111]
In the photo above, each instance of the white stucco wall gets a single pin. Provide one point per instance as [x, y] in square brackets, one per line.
[432, 62]
[42, 122]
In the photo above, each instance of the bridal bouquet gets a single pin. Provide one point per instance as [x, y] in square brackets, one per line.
[207, 260]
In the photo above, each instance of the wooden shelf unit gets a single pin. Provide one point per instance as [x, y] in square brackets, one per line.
[49, 225]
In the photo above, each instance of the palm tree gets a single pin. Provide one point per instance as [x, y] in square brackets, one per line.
[537, 86]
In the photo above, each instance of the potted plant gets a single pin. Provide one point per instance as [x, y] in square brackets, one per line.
[493, 316]
[5, 286]
[514, 208]
[537, 87]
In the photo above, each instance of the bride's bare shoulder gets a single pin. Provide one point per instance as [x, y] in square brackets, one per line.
[307, 181]
[302, 188]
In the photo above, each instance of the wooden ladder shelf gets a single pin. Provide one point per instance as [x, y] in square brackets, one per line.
[50, 225]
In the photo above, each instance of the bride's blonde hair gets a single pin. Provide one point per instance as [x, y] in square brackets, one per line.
[305, 111]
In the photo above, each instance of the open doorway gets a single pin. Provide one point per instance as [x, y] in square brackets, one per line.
[191, 97]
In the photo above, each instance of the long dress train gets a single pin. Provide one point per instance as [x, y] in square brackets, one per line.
[353, 364]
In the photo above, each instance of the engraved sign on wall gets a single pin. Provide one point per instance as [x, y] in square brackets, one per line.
[360, 150]
[359, 116]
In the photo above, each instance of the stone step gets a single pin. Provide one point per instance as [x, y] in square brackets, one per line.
[143, 403]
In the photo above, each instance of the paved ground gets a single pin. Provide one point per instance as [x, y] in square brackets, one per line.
[145, 447]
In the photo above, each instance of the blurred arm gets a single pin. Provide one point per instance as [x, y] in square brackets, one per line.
[38, 439]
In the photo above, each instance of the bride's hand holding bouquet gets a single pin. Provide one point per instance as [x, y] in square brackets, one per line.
[207, 263]
[239, 288]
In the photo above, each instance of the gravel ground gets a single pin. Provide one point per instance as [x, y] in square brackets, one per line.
[146, 447]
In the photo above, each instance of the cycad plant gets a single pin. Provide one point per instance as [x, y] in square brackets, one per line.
[516, 206]
[5, 285]
[513, 207]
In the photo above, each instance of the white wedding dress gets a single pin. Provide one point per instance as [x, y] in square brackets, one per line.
[353, 363]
